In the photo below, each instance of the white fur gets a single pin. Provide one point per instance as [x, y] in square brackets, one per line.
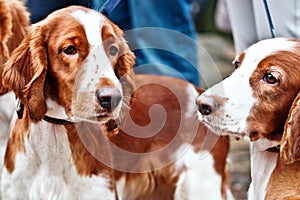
[46, 170]
[262, 166]
[96, 65]
[97, 57]
[237, 96]
[7, 109]
[233, 116]
[199, 180]
[121, 184]
[54, 110]
[191, 107]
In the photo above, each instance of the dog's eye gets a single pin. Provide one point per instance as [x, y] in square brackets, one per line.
[270, 79]
[70, 50]
[236, 64]
[113, 50]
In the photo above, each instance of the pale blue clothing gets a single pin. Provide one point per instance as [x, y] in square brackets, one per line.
[249, 21]
[161, 34]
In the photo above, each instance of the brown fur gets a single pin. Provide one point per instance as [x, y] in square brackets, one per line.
[290, 142]
[37, 70]
[284, 182]
[14, 22]
[276, 117]
[177, 130]
[269, 116]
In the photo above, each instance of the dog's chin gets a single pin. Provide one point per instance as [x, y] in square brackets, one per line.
[226, 132]
[222, 128]
[100, 118]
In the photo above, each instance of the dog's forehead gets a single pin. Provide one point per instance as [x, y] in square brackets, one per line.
[92, 23]
[265, 48]
[261, 50]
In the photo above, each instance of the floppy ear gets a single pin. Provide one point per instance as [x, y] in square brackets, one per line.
[124, 72]
[290, 142]
[25, 72]
[5, 34]
[14, 21]
[6, 26]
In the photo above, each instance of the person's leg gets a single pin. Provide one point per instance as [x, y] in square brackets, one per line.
[162, 36]
[169, 46]
[242, 23]
[285, 17]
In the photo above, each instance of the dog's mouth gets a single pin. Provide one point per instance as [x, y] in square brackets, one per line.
[97, 116]
[222, 127]
[225, 131]
[94, 112]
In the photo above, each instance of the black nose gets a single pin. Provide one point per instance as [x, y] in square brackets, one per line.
[206, 104]
[108, 97]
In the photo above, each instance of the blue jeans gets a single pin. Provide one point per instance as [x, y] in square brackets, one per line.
[39, 9]
[162, 36]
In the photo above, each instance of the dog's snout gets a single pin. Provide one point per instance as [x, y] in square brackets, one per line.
[108, 97]
[206, 104]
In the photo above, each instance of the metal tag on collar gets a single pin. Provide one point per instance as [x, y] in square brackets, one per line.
[20, 109]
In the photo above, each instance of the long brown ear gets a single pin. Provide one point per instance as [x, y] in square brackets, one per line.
[290, 142]
[5, 34]
[14, 21]
[25, 72]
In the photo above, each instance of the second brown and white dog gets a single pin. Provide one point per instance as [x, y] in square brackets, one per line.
[260, 100]
[73, 138]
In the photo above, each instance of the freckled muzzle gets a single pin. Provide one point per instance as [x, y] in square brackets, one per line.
[108, 97]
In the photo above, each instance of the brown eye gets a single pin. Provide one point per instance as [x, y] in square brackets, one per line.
[236, 64]
[70, 50]
[270, 79]
[113, 50]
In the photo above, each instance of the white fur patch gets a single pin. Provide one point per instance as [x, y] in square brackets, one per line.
[55, 110]
[191, 106]
[47, 171]
[199, 180]
[262, 165]
[97, 64]
[121, 183]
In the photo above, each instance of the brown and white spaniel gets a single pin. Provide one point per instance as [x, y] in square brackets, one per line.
[162, 151]
[260, 100]
[83, 133]
[68, 74]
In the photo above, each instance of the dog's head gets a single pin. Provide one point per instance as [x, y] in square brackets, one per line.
[77, 58]
[260, 99]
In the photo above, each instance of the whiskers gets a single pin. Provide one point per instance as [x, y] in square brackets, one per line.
[126, 102]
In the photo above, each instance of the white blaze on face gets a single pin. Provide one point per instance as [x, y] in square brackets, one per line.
[235, 103]
[234, 95]
[97, 64]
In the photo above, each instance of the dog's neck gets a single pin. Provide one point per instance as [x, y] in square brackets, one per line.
[69, 153]
[262, 165]
[87, 141]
